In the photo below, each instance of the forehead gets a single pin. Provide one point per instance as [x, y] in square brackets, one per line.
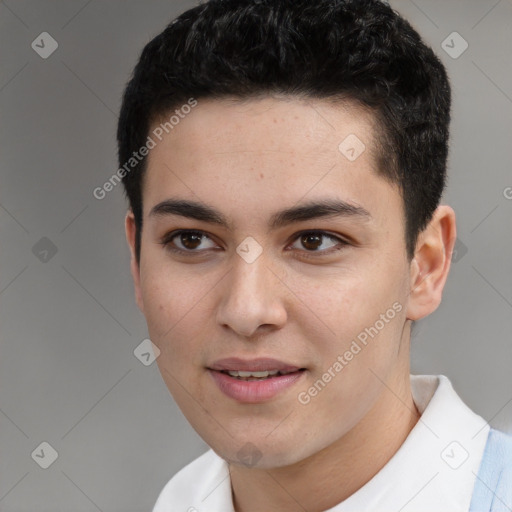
[264, 151]
[283, 125]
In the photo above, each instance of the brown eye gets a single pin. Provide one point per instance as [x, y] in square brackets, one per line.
[319, 242]
[311, 241]
[187, 241]
[190, 240]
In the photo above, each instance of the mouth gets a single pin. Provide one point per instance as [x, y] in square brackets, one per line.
[254, 367]
[258, 376]
[256, 380]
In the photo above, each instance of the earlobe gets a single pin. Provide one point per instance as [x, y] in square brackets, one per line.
[131, 231]
[431, 263]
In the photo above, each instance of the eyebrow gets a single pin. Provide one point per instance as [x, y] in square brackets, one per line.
[306, 211]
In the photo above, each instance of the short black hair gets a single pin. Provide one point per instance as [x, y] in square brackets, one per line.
[357, 50]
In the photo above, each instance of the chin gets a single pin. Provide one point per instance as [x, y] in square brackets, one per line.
[261, 453]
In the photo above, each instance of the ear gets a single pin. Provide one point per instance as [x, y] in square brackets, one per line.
[130, 229]
[431, 263]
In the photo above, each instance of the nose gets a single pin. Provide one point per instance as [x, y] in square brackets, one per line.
[253, 297]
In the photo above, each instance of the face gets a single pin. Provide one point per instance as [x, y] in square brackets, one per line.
[255, 268]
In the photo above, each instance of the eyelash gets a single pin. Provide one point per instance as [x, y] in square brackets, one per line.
[167, 242]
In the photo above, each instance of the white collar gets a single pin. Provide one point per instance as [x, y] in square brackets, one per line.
[434, 469]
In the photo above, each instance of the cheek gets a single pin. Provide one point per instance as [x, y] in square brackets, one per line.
[172, 309]
[365, 315]
[178, 325]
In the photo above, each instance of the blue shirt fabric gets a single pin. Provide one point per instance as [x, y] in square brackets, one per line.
[493, 486]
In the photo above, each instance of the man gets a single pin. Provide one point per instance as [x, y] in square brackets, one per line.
[284, 162]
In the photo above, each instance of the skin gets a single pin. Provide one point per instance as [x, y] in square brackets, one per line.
[248, 160]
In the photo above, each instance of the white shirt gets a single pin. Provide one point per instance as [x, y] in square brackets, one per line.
[434, 469]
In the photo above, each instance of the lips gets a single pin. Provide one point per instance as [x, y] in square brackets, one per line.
[253, 365]
[272, 377]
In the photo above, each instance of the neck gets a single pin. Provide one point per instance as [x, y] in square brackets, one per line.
[330, 476]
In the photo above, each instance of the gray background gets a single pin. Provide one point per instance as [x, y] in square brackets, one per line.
[69, 325]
